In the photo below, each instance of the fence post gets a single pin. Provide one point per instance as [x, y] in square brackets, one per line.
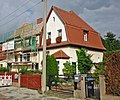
[83, 86]
[19, 79]
[102, 86]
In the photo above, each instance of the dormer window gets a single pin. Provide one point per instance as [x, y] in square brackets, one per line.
[85, 36]
[49, 35]
[53, 19]
[60, 32]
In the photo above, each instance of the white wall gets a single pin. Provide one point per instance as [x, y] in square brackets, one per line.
[71, 52]
[4, 63]
[53, 27]
[97, 56]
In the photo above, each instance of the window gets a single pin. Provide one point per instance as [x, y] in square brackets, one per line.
[27, 42]
[49, 35]
[25, 57]
[53, 19]
[18, 44]
[60, 32]
[35, 66]
[58, 62]
[85, 36]
[1, 65]
[16, 58]
[28, 57]
[47, 52]
[21, 57]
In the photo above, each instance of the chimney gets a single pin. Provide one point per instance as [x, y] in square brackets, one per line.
[39, 20]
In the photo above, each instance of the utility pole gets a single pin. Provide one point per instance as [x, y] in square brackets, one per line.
[44, 49]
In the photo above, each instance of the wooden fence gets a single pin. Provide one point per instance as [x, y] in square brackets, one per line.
[30, 81]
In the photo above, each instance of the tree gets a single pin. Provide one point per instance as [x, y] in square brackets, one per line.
[84, 61]
[51, 68]
[110, 42]
[100, 70]
[68, 69]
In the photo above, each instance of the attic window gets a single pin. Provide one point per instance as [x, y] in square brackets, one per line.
[60, 32]
[85, 36]
[53, 19]
[49, 35]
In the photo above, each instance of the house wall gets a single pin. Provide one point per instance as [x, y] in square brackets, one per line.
[4, 63]
[97, 57]
[54, 26]
[61, 61]
[11, 59]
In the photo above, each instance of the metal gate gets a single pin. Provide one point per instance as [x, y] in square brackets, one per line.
[65, 85]
[92, 88]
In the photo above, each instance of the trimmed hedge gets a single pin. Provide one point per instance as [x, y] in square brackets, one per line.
[112, 70]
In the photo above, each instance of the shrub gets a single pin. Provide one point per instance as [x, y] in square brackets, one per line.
[58, 39]
[24, 70]
[4, 69]
[112, 73]
[84, 61]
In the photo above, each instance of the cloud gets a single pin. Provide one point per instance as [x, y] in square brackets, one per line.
[103, 15]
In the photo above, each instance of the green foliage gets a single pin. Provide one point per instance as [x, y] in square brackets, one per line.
[84, 61]
[51, 67]
[68, 69]
[24, 70]
[4, 69]
[100, 69]
[110, 42]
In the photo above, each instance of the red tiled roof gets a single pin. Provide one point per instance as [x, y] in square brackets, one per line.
[39, 20]
[75, 26]
[75, 36]
[2, 57]
[71, 18]
[60, 55]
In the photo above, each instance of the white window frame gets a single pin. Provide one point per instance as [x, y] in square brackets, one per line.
[53, 19]
[49, 35]
[60, 32]
[85, 36]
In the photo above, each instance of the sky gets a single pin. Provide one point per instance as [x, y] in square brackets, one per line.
[102, 15]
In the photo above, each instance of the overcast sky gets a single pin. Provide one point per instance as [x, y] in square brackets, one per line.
[102, 15]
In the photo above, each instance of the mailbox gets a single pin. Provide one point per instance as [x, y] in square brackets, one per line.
[16, 76]
[77, 78]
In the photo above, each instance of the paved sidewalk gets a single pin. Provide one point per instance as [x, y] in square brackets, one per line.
[14, 93]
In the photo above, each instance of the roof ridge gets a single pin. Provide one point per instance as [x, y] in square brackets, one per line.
[70, 14]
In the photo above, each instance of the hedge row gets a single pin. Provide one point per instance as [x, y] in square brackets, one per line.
[112, 69]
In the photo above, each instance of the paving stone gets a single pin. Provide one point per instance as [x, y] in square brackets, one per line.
[15, 93]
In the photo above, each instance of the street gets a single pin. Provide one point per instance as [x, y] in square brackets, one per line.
[15, 93]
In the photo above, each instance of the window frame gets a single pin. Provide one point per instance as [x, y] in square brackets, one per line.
[59, 32]
[49, 35]
[16, 58]
[85, 35]
[53, 19]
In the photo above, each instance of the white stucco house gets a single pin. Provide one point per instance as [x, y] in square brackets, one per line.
[66, 33]
[74, 33]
